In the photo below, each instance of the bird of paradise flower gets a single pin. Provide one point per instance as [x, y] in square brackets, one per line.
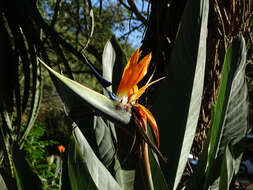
[128, 94]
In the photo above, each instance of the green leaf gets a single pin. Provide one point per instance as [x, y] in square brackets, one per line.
[158, 179]
[231, 113]
[108, 61]
[78, 172]
[235, 121]
[79, 112]
[104, 141]
[2, 183]
[180, 94]
[228, 124]
[125, 178]
[113, 66]
[20, 44]
[98, 102]
[227, 168]
[85, 170]
[36, 98]
[196, 180]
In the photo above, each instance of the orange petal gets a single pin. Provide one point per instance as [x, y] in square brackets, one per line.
[134, 90]
[137, 95]
[122, 90]
[134, 58]
[142, 67]
[141, 111]
[151, 121]
[131, 62]
[133, 73]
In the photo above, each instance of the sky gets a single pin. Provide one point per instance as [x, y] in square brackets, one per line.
[135, 38]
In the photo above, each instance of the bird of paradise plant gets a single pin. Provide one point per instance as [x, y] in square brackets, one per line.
[128, 94]
[127, 97]
[91, 162]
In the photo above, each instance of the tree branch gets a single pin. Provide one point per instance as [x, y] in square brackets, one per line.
[133, 29]
[56, 10]
[133, 8]
[137, 13]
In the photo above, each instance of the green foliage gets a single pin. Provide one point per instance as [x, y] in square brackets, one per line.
[42, 164]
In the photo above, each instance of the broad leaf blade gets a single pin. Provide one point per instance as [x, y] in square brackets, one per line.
[125, 178]
[235, 120]
[108, 108]
[78, 172]
[228, 123]
[196, 180]
[177, 109]
[2, 183]
[104, 141]
[113, 66]
[93, 169]
[107, 127]
[231, 113]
